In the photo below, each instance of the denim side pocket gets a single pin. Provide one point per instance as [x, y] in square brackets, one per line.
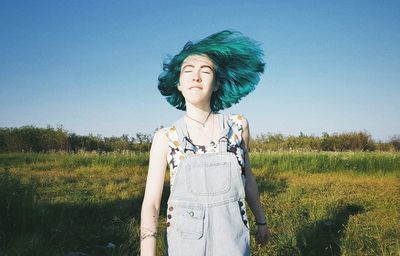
[191, 223]
[241, 215]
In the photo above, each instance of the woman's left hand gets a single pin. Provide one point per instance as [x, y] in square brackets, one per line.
[263, 235]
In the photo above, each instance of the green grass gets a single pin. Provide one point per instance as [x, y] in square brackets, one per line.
[317, 203]
[313, 162]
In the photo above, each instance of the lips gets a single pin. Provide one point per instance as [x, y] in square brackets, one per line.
[196, 87]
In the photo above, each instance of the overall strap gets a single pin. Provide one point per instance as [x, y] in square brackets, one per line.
[181, 129]
[225, 126]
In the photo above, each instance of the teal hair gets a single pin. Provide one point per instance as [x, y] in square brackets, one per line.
[238, 64]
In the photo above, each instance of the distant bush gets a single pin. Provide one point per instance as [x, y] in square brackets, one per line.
[395, 142]
[352, 141]
[30, 138]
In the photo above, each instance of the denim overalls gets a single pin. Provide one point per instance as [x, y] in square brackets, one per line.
[205, 214]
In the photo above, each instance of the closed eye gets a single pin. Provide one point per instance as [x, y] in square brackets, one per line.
[206, 70]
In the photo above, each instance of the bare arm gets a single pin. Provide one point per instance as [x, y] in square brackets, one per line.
[252, 194]
[153, 193]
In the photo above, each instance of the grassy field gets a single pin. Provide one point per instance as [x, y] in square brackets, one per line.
[317, 203]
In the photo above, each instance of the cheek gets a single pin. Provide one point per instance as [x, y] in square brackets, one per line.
[209, 81]
[184, 79]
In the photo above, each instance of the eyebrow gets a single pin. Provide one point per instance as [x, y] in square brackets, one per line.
[202, 66]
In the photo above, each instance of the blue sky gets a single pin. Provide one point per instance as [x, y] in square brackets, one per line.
[92, 66]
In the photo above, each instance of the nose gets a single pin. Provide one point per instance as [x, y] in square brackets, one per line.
[196, 77]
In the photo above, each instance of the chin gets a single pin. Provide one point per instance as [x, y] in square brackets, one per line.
[198, 103]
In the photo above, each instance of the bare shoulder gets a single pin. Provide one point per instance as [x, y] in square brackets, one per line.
[160, 135]
[160, 142]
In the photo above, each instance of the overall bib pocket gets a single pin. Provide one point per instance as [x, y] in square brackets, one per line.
[191, 223]
[209, 179]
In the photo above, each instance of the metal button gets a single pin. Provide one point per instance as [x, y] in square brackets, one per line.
[170, 208]
[169, 216]
[240, 203]
[191, 213]
[168, 224]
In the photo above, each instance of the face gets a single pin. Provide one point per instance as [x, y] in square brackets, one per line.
[197, 79]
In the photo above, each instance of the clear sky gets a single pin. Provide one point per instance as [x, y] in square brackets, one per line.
[92, 66]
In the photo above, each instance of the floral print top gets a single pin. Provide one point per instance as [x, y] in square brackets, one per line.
[176, 155]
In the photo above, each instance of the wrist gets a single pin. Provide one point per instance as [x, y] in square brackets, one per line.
[261, 221]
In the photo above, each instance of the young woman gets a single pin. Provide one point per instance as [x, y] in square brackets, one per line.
[207, 152]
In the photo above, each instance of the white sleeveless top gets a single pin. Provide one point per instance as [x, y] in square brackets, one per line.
[175, 151]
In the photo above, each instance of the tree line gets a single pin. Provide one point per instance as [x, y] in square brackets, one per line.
[34, 139]
[347, 141]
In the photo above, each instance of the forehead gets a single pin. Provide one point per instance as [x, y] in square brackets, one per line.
[198, 59]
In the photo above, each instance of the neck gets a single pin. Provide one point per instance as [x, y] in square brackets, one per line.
[199, 113]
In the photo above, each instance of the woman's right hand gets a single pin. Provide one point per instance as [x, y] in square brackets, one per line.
[263, 235]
